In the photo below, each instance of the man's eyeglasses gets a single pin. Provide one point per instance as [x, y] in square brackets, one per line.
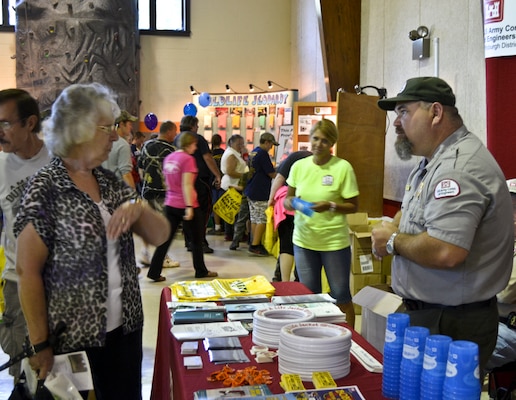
[107, 129]
[8, 125]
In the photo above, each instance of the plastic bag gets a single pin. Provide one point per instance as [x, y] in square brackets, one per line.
[228, 205]
[270, 237]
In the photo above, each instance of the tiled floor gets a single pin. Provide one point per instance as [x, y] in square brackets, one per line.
[229, 264]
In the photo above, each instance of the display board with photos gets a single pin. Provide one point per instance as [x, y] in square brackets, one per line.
[248, 115]
[307, 114]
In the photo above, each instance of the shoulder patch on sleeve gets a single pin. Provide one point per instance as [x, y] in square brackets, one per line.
[446, 188]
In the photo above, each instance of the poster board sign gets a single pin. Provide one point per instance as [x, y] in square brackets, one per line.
[285, 141]
[246, 114]
[499, 28]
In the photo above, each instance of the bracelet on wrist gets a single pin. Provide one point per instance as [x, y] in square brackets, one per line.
[333, 206]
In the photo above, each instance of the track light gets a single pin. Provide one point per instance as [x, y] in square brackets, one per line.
[253, 87]
[270, 85]
[382, 92]
[229, 89]
[192, 90]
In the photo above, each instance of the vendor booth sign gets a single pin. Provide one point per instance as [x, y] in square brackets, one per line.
[499, 28]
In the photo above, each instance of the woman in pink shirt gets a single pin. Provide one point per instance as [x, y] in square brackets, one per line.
[181, 205]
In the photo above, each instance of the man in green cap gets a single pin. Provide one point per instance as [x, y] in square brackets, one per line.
[453, 239]
[120, 161]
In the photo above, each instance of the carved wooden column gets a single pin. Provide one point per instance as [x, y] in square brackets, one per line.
[59, 43]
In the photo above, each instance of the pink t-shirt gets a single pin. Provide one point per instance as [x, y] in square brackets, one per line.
[174, 166]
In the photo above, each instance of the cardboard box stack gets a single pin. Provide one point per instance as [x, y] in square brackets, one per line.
[377, 302]
[366, 270]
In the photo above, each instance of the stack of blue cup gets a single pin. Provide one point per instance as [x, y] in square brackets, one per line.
[434, 367]
[392, 353]
[462, 380]
[412, 362]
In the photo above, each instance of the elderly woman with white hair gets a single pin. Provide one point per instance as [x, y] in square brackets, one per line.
[75, 254]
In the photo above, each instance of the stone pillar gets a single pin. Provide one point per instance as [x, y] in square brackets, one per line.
[59, 43]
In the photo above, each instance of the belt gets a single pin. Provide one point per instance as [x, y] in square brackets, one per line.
[413, 305]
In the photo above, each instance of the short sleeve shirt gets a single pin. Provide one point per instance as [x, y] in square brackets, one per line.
[461, 198]
[174, 167]
[259, 185]
[75, 275]
[334, 181]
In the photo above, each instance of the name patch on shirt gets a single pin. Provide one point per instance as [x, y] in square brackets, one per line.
[327, 180]
[446, 188]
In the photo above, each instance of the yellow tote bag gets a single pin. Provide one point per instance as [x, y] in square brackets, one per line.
[270, 236]
[228, 205]
[221, 288]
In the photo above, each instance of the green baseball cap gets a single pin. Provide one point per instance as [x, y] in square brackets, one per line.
[426, 88]
[125, 116]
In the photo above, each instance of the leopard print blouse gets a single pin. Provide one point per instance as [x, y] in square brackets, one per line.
[75, 274]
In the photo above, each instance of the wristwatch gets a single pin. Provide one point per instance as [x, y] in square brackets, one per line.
[36, 348]
[390, 244]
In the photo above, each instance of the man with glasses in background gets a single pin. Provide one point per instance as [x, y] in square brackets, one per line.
[23, 154]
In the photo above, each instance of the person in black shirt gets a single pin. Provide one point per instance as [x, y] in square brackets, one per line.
[150, 164]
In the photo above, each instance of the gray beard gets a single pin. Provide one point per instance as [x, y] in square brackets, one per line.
[403, 148]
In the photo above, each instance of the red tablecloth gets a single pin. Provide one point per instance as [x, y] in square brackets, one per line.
[172, 380]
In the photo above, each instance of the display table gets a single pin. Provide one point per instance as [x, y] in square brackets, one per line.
[171, 380]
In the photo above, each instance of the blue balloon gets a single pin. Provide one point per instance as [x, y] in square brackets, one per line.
[190, 109]
[204, 99]
[151, 121]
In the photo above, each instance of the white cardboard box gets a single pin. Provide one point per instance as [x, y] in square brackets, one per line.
[376, 305]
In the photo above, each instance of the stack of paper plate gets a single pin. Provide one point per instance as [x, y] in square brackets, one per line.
[314, 346]
[268, 322]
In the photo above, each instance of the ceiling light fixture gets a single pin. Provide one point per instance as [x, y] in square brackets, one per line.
[229, 89]
[270, 85]
[192, 90]
[253, 87]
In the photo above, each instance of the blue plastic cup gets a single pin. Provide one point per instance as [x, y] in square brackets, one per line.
[395, 329]
[434, 366]
[432, 394]
[409, 394]
[436, 354]
[412, 362]
[393, 354]
[414, 344]
[462, 370]
[463, 394]
[391, 374]
[303, 206]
